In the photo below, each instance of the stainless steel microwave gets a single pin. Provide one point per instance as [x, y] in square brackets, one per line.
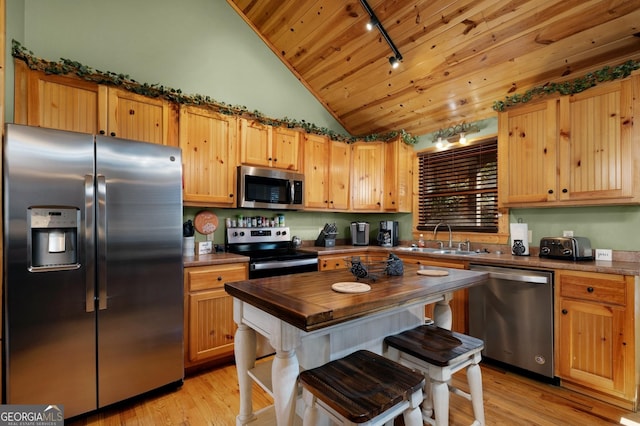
[263, 188]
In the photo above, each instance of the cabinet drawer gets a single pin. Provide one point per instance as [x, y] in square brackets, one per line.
[602, 288]
[210, 277]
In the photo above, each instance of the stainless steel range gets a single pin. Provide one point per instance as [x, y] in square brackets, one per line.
[270, 251]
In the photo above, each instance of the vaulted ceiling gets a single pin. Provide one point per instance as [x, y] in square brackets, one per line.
[459, 56]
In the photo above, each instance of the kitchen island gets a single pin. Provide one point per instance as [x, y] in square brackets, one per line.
[310, 324]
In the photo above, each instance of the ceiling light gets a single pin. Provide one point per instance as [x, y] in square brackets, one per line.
[375, 22]
[443, 136]
[371, 24]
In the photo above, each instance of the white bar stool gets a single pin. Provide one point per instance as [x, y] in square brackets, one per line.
[362, 388]
[439, 354]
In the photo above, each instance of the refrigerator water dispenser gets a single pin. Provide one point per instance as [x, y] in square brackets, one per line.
[53, 238]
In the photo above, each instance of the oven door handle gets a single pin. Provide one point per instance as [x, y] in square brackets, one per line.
[283, 264]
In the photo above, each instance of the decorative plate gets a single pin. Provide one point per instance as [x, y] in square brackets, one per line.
[350, 287]
[205, 222]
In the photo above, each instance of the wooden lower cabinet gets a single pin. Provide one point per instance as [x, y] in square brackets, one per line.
[595, 335]
[209, 328]
[460, 302]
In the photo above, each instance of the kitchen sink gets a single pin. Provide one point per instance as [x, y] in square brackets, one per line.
[440, 251]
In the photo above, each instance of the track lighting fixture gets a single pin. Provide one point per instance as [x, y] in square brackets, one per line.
[374, 22]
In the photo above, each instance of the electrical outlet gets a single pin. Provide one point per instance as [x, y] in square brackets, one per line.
[604, 254]
[567, 233]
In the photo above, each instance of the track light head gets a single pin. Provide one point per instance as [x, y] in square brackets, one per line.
[395, 63]
[372, 24]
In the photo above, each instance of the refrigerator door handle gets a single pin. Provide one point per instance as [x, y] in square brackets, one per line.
[102, 241]
[90, 238]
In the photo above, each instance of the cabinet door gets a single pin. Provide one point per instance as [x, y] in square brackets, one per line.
[398, 177]
[367, 175]
[286, 149]
[596, 143]
[339, 171]
[211, 326]
[56, 102]
[208, 142]
[527, 139]
[140, 118]
[316, 171]
[255, 143]
[592, 348]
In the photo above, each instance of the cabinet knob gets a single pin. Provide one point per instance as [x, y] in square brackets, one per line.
[551, 191]
[565, 312]
[113, 134]
[220, 278]
[565, 190]
[590, 289]
[230, 195]
[102, 132]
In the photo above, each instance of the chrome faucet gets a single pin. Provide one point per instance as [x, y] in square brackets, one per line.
[435, 232]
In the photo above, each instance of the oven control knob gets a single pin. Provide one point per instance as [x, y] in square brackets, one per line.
[567, 252]
[284, 232]
[545, 250]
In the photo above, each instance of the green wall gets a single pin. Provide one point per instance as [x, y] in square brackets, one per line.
[203, 47]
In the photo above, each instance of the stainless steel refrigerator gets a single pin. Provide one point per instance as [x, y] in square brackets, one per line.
[93, 297]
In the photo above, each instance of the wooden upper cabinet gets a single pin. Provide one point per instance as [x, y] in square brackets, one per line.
[140, 118]
[267, 146]
[255, 143]
[572, 150]
[286, 148]
[57, 102]
[70, 103]
[367, 175]
[398, 177]
[527, 139]
[596, 143]
[208, 142]
[326, 171]
[339, 175]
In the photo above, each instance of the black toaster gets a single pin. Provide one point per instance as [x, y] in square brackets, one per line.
[568, 248]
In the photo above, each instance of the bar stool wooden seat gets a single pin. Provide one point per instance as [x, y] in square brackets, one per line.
[362, 388]
[439, 354]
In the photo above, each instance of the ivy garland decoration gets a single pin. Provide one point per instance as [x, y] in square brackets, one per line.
[123, 81]
[570, 87]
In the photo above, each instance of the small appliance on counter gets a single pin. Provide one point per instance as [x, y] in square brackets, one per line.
[567, 248]
[327, 236]
[519, 239]
[360, 233]
[388, 234]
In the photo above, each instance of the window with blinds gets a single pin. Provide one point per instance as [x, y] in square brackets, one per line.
[459, 186]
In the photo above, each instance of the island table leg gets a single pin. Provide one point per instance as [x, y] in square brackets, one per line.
[245, 352]
[284, 378]
[442, 316]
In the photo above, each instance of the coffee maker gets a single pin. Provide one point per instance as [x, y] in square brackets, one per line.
[360, 233]
[388, 234]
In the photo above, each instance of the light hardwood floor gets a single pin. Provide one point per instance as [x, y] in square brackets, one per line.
[211, 398]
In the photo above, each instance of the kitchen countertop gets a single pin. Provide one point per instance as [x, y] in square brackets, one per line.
[622, 267]
[504, 259]
[213, 259]
[307, 301]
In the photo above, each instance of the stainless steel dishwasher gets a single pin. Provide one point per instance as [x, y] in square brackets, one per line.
[513, 313]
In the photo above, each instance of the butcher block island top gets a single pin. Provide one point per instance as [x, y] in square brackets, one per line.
[308, 302]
